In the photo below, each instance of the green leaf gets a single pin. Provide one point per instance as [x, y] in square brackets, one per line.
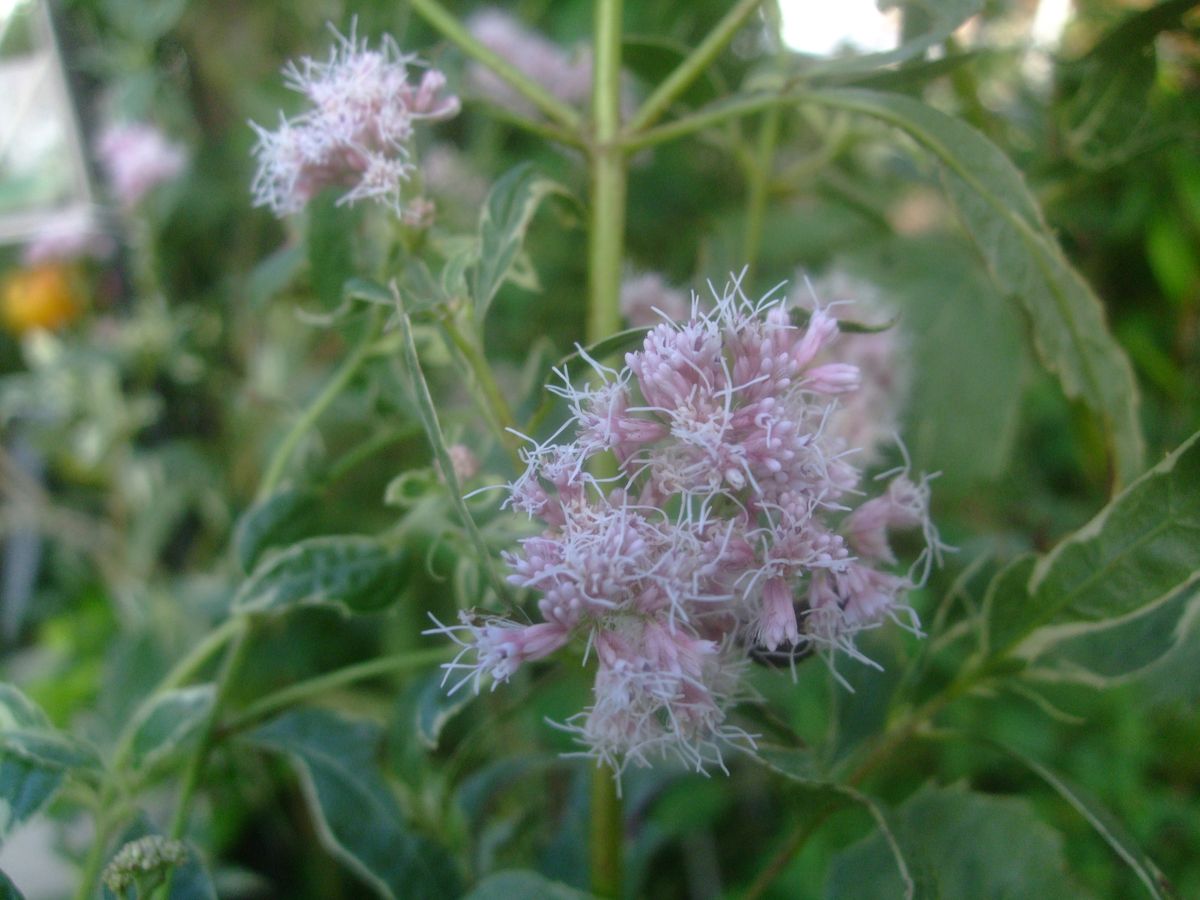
[506, 215]
[435, 709]
[170, 724]
[358, 818]
[331, 231]
[967, 344]
[1100, 818]
[35, 759]
[368, 290]
[284, 517]
[611, 346]
[356, 572]
[1068, 321]
[523, 884]
[409, 488]
[1006, 605]
[1134, 555]
[959, 844]
[441, 452]
[1106, 653]
[274, 273]
[8, 890]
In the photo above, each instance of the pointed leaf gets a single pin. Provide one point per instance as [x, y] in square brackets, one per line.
[1134, 555]
[435, 708]
[1068, 321]
[358, 818]
[170, 724]
[282, 518]
[502, 225]
[358, 573]
[960, 844]
[1100, 818]
[35, 759]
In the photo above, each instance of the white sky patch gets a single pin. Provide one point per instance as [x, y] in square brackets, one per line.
[1050, 21]
[822, 27]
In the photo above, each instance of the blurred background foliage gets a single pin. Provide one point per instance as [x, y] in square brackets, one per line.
[135, 433]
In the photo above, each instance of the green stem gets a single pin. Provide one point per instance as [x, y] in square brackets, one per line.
[758, 188]
[493, 402]
[541, 129]
[234, 658]
[715, 114]
[92, 866]
[445, 22]
[692, 67]
[605, 248]
[608, 178]
[346, 372]
[607, 834]
[105, 820]
[329, 681]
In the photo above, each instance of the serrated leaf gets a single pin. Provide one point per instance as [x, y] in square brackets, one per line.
[1069, 330]
[1106, 653]
[959, 844]
[1135, 554]
[1100, 818]
[170, 724]
[523, 884]
[284, 517]
[435, 709]
[358, 818]
[505, 218]
[355, 572]
[35, 759]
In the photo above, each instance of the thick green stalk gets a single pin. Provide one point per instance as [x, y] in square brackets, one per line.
[605, 251]
[348, 369]
[445, 22]
[693, 66]
[758, 183]
[608, 178]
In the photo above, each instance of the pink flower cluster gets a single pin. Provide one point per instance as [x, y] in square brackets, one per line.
[704, 511]
[358, 132]
[869, 418]
[137, 157]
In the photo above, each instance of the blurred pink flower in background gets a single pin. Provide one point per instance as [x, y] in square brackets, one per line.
[71, 235]
[647, 298]
[136, 157]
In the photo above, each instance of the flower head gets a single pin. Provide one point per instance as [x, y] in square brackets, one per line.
[727, 529]
[137, 157]
[358, 131]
